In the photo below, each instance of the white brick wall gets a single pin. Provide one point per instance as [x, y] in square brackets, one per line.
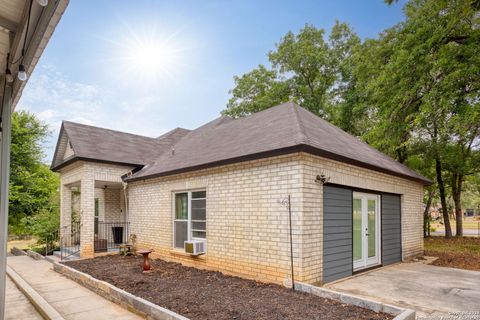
[247, 228]
[114, 205]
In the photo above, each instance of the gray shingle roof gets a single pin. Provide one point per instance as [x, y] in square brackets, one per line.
[278, 130]
[93, 143]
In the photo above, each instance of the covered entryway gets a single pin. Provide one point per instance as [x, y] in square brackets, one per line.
[424, 288]
[110, 224]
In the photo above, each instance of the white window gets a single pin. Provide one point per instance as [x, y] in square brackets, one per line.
[190, 221]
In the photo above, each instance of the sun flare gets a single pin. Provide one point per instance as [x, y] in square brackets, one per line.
[149, 57]
[152, 56]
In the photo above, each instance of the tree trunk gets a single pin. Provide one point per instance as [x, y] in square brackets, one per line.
[443, 198]
[457, 183]
[426, 215]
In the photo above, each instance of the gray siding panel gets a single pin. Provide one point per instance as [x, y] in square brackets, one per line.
[337, 233]
[391, 229]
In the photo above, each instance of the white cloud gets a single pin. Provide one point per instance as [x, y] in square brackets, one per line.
[53, 97]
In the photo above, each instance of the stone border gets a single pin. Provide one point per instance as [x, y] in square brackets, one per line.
[127, 300]
[17, 252]
[40, 304]
[399, 313]
[35, 255]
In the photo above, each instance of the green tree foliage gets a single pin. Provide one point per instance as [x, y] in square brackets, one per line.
[422, 82]
[413, 92]
[304, 68]
[33, 187]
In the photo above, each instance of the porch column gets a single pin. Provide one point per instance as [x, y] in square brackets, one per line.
[87, 212]
[6, 125]
[65, 212]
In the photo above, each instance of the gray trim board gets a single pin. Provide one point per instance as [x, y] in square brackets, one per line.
[391, 229]
[337, 230]
[337, 233]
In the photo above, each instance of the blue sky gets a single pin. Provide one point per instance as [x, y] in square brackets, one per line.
[146, 67]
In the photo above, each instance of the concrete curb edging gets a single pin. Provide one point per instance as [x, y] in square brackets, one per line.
[399, 313]
[34, 255]
[17, 252]
[40, 304]
[127, 300]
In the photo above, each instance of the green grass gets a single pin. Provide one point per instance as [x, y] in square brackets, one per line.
[468, 245]
[21, 244]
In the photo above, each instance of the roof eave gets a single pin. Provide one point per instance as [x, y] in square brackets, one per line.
[293, 149]
[55, 154]
[73, 159]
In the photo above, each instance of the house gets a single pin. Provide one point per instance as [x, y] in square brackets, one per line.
[225, 183]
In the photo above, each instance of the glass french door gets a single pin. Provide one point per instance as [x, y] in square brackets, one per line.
[366, 230]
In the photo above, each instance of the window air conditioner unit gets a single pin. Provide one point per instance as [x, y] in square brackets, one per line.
[195, 247]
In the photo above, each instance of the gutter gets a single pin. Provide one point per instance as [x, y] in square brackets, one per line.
[288, 150]
[75, 159]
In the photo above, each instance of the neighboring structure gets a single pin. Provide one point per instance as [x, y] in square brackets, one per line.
[224, 183]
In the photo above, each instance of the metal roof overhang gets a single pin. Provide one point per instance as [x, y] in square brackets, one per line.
[21, 45]
[13, 26]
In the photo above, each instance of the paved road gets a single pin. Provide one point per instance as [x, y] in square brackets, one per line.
[69, 298]
[466, 232]
[427, 289]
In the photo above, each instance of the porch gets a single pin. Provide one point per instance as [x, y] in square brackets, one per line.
[93, 218]
[107, 238]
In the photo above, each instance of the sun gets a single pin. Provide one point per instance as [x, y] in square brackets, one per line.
[152, 57]
[148, 57]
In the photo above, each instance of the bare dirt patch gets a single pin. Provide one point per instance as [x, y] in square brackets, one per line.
[461, 253]
[200, 294]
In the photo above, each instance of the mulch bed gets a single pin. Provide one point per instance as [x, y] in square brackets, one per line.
[455, 260]
[200, 294]
[461, 252]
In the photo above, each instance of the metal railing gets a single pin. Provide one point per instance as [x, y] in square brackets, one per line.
[70, 241]
[52, 242]
[110, 235]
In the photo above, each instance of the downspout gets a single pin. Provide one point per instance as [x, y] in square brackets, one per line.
[125, 185]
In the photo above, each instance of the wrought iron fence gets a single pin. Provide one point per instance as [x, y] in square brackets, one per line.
[110, 235]
[52, 243]
[70, 241]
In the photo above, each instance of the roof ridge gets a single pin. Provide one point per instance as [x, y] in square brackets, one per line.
[303, 136]
[170, 132]
[106, 129]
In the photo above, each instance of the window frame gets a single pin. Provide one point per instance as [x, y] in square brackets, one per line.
[189, 215]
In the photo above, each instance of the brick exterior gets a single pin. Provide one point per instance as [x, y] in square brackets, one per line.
[114, 210]
[348, 175]
[85, 175]
[247, 226]
[247, 230]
